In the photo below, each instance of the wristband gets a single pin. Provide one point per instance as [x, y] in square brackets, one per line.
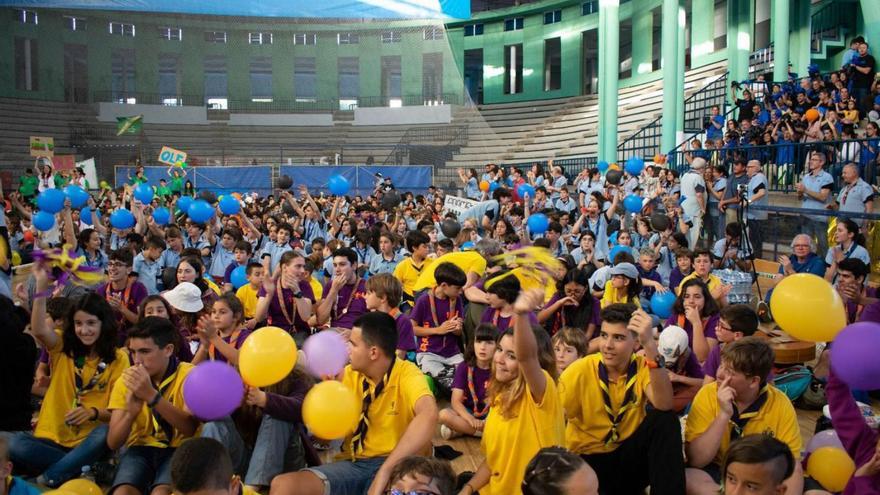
[97, 414]
[155, 400]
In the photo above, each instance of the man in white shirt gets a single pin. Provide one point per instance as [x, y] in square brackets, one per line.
[693, 190]
[815, 192]
[856, 195]
[756, 195]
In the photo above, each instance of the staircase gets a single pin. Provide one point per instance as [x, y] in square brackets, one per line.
[829, 26]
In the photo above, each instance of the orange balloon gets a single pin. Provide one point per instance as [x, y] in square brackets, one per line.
[28, 236]
[657, 158]
[812, 114]
[236, 196]
[484, 185]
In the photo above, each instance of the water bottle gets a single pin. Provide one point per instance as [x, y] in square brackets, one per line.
[86, 473]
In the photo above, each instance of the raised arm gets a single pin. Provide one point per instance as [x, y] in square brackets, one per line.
[526, 346]
[45, 335]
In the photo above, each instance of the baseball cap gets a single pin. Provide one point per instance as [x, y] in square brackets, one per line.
[672, 344]
[626, 269]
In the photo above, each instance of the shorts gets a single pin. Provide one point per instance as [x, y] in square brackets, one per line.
[144, 468]
[347, 477]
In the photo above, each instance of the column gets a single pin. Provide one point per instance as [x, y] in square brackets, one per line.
[679, 73]
[702, 29]
[871, 17]
[609, 67]
[800, 27]
[669, 62]
[643, 40]
[781, 55]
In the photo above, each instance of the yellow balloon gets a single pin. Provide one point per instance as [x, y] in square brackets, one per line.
[808, 308]
[266, 357]
[832, 467]
[330, 410]
[468, 261]
[81, 486]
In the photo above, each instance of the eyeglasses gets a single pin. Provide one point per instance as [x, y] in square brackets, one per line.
[116, 264]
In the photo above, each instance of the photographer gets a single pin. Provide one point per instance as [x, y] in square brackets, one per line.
[862, 71]
[744, 104]
[715, 125]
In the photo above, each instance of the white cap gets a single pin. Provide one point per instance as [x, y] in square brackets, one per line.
[673, 343]
[185, 297]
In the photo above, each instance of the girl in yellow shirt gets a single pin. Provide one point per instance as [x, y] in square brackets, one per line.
[624, 286]
[71, 430]
[526, 414]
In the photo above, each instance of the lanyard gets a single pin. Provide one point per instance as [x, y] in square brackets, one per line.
[281, 302]
[740, 420]
[452, 313]
[629, 398]
[126, 294]
[159, 424]
[79, 389]
[232, 341]
[478, 413]
[336, 312]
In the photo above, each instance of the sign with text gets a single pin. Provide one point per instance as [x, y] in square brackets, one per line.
[457, 205]
[42, 146]
[171, 156]
[64, 162]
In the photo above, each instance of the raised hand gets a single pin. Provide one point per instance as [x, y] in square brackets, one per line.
[726, 396]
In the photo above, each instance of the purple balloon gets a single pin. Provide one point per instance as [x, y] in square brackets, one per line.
[326, 352]
[854, 355]
[213, 390]
[825, 438]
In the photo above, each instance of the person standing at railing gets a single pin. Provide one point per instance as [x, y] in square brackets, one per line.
[756, 194]
[693, 192]
[815, 193]
[856, 196]
[715, 128]
[862, 70]
[729, 204]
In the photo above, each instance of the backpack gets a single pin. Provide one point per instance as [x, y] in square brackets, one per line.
[794, 381]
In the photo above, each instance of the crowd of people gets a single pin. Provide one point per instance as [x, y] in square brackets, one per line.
[627, 366]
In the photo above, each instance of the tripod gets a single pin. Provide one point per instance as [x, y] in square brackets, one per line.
[742, 217]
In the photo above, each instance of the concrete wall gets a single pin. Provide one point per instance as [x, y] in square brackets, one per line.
[153, 114]
[440, 114]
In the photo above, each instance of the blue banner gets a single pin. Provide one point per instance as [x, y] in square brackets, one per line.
[221, 180]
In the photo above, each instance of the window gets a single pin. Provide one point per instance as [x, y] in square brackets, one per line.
[590, 7]
[75, 23]
[170, 33]
[122, 75]
[122, 29]
[169, 79]
[25, 16]
[433, 33]
[215, 36]
[391, 77]
[261, 79]
[26, 66]
[552, 64]
[305, 38]
[514, 24]
[432, 78]
[347, 39]
[216, 82]
[391, 37]
[349, 82]
[305, 79]
[76, 73]
[260, 38]
[552, 17]
[473, 30]
[513, 69]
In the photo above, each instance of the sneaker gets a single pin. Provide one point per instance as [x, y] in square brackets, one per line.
[446, 433]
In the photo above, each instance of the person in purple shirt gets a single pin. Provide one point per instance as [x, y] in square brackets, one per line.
[697, 313]
[684, 370]
[286, 299]
[684, 261]
[122, 291]
[860, 441]
[734, 322]
[502, 292]
[437, 319]
[572, 306]
[222, 333]
[384, 294]
[850, 284]
[469, 405]
[343, 300]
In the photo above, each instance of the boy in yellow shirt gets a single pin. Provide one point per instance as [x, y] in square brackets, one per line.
[740, 403]
[247, 293]
[148, 412]
[398, 416]
[604, 397]
[409, 269]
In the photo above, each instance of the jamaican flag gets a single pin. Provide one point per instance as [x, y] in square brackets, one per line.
[129, 125]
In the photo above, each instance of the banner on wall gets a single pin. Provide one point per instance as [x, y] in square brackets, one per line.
[457, 205]
[42, 146]
[63, 162]
[88, 168]
[171, 156]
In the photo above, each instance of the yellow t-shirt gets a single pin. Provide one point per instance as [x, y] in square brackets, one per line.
[390, 413]
[468, 261]
[714, 282]
[144, 431]
[510, 443]
[588, 423]
[61, 394]
[609, 297]
[214, 287]
[317, 288]
[248, 297]
[408, 273]
[776, 418]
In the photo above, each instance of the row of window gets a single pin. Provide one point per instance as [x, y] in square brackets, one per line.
[551, 17]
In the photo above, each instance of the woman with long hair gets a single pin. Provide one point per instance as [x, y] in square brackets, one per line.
[286, 299]
[157, 306]
[850, 244]
[696, 311]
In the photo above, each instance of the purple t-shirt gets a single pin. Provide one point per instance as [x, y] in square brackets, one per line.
[692, 366]
[227, 275]
[239, 340]
[675, 278]
[131, 297]
[713, 361]
[565, 317]
[422, 316]
[493, 316]
[481, 383]
[406, 338]
[347, 308]
[275, 314]
[709, 325]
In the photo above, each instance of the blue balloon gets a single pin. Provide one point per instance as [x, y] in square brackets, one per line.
[612, 239]
[143, 193]
[602, 166]
[632, 203]
[618, 249]
[162, 215]
[43, 220]
[238, 278]
[634, 165]
[492, 186]
[467, 245]
[51, 200]
[122, 219]
[77, 196]
[661, 303]
[538, 223]
[524, 189]
[229, 205]
[183, 203]
[200, 211]
[85, 215]
[338, 185]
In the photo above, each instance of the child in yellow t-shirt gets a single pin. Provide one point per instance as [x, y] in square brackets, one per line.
[247, 293]
[624, 286]
[408, 270]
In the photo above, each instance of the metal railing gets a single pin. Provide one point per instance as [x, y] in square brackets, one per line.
[142, 98]
[451, 137]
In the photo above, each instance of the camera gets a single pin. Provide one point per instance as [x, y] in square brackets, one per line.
[742, 190]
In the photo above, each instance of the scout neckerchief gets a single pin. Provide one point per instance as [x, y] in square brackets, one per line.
[478, 413]
[79, 389]
[279, 293]
[126, 294]
[159, 424]
[629, 398]
[232, 341]
[739, 420]
[336, 312]
[682, 322]
[451, 313]
[360, 433]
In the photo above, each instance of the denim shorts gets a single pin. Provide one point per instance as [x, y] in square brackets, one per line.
[346, 477]
[144, 468]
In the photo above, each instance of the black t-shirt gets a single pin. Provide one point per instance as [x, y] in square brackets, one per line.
[863, 80]
[745, 109]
